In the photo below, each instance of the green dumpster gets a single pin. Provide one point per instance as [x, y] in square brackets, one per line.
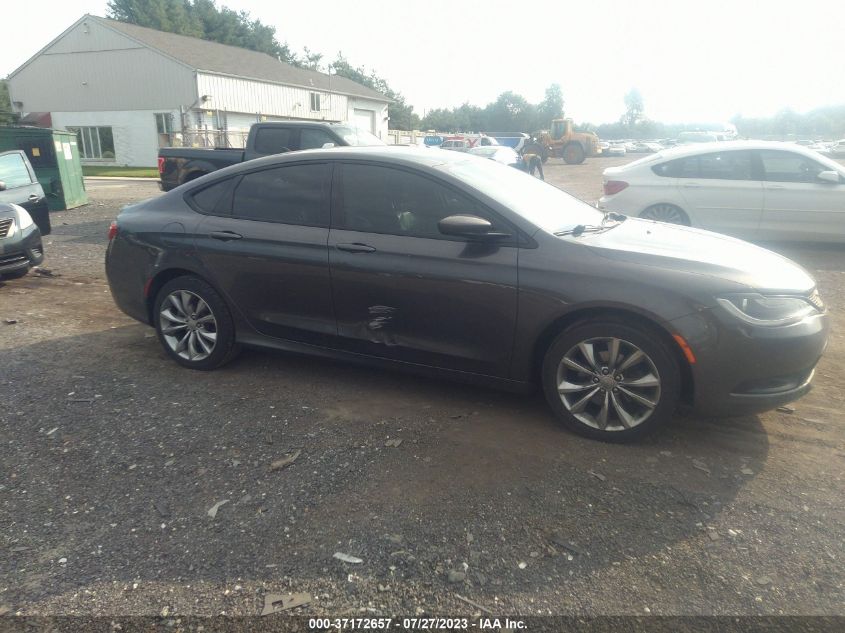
[54, 155]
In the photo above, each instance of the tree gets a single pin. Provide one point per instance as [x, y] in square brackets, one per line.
[510, 114]
[634, 108]
[311, 60]
[402, 115]
[7, 115]
[203, 19]
[552, 106]
[163, 15]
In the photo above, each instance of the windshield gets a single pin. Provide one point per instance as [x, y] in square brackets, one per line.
[540, 203]
[357, 136]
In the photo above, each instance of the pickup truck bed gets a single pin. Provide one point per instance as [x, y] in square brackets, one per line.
[178, 165]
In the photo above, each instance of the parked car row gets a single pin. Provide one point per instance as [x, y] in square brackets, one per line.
[828, 148]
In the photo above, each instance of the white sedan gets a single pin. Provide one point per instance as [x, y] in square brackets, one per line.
[750, 189]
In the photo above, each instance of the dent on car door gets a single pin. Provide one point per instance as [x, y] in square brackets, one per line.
[404, 291]
[723, 191]
[267, 251]
[798, 205]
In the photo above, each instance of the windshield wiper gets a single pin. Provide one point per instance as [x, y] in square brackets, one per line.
[580, 229]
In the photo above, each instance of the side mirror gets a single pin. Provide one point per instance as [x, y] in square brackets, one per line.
[328, 145]
[468, 226]
[2, 186]
[829, 176]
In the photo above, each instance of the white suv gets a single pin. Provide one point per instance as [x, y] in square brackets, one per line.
[751, 189]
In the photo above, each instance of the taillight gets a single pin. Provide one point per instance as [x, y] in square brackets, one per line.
[161, 165]
[614, 186]
[112, 230]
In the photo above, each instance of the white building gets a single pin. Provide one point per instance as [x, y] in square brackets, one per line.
[129, 90]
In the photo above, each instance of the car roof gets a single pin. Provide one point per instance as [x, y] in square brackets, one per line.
[721, 146]
[696, 149]
[407, 155]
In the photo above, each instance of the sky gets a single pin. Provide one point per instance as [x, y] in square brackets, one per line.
[692, 61]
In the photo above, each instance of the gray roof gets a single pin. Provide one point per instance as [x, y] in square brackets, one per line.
[240, 62]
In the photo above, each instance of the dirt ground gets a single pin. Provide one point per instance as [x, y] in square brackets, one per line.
[113, 457]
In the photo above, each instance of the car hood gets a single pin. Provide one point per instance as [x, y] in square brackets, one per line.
[684, 249]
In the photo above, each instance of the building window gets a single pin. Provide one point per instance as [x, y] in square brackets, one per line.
[95, 142]
[164, 123]
[315, 102]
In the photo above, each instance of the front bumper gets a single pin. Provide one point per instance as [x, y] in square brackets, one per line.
[21, 251]
[743, 369]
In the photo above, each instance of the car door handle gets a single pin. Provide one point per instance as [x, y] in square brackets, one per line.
[356, 248]
[691, 185]
[225, 236]
[776, 187]
[33, 196]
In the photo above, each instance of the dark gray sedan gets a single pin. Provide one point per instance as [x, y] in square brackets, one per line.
[20, 242]
[450, 265]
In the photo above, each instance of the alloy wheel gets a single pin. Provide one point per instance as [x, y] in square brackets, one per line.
[608, 384]
[665, 213]
[188, 325]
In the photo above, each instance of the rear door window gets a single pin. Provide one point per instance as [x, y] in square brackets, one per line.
[293, 194]
[13, 171]
[733, 165]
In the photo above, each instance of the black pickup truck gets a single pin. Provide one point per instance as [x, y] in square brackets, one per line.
[178, 165]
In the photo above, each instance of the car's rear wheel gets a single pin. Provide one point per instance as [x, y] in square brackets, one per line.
[611, 381]
[666, 213]
[194, 324]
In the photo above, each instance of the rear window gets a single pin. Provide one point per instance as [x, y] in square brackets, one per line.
[273, 140]
[215, 199]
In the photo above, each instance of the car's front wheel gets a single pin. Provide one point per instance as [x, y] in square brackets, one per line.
[194, 324]
[17, 274]
[611, 381]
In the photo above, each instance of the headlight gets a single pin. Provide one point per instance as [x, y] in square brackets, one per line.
[770, 311]
[24, 219]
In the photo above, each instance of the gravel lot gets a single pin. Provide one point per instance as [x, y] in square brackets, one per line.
[112, 457]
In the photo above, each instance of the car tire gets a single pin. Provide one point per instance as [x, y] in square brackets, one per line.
[668, 213]
[17, 274]
[194, 325]
[573, 154]
[588, 388]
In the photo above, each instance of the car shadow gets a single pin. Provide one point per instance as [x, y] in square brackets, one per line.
[115, 457]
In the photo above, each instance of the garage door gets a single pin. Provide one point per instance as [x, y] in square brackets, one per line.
[366, 120]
